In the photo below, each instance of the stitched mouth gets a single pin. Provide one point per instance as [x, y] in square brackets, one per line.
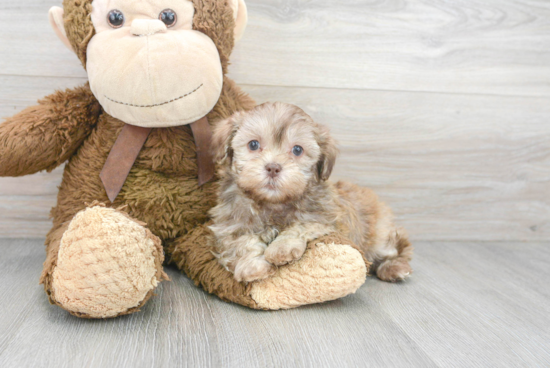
[155, 105]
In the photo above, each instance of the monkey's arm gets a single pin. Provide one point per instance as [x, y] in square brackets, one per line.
[44, 136]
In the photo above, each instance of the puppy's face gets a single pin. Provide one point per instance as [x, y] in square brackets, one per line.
[275, 151]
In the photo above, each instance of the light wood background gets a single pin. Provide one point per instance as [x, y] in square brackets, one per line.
[443, 107]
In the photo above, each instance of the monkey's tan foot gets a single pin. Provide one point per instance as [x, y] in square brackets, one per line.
[284, 250]
[393, 270]
[329, 269]
[108, 265]
[253, 269]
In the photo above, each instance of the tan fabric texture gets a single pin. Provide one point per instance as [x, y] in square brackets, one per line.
[240, 12]
[161, 191]
[132, 85]
[327, 271]
[331, 268]
[107, 264]
[57, 23]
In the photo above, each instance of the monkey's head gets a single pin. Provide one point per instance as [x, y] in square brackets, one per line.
[153, 63]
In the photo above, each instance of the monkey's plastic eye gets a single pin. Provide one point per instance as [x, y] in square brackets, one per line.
[115, 18]
[297, 150]
[169, 17]
[254, 145]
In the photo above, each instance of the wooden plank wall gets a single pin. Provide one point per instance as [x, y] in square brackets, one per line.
[441, 106]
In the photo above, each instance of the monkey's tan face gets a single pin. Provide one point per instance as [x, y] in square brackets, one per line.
[148, 67]
[275, 154]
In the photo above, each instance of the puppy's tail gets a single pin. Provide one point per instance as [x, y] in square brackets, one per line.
[397, 268]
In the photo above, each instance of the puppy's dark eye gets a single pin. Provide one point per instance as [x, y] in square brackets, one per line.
[169, 17]
[115, 18]
[297, 150]
[254, 145]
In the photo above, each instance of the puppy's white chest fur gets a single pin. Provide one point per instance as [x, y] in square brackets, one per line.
[272, 219]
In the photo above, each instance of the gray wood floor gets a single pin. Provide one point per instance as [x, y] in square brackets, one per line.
[481, 304]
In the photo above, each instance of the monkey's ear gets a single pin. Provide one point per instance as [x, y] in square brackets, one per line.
[329, 152]
[224, 131]
[241, 17]
[57, 23]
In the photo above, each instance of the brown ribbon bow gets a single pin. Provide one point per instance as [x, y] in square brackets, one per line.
[130, 142]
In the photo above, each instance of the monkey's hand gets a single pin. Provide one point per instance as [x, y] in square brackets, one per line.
[44, 136]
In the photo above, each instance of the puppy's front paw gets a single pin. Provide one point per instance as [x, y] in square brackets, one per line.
[285, 250]
[253, 269]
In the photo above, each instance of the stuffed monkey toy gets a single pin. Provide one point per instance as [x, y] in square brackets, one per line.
[139, 178]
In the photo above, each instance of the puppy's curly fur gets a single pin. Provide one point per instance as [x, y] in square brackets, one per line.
[274, 163]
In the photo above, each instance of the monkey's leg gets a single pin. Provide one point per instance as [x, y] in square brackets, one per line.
[329, 269]
[102, 264]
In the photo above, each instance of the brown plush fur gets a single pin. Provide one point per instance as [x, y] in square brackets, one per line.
[42, 137]
[78, 26]
[162, 188]
[265, 219]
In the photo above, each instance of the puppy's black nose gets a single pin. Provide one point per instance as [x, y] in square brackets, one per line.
[273, 169]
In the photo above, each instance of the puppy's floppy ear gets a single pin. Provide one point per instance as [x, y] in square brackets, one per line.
[329, 152]
[223, 135]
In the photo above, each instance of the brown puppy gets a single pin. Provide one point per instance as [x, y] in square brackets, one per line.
[274, 197]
